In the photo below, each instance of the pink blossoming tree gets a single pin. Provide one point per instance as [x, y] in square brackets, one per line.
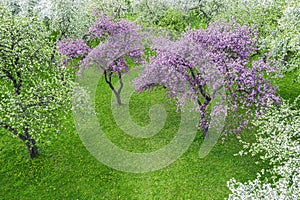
[109, 45]
[205, 61]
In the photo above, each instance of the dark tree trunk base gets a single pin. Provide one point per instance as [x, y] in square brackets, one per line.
[30, 144]
[118, 97]
[205, 131]
[108, 79]
[32, 149]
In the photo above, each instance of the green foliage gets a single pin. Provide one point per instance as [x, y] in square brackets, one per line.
[284, 42]
[114, 8]
[195, 21]
[250, 13]
[204, 9]
[65, 18]
[33, 88]
[172, 20]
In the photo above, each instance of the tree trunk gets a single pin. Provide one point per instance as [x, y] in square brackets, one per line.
[32, 148]
[108, 80]
[204, 129]
[204, 119]
[30, 143]
[118, 97]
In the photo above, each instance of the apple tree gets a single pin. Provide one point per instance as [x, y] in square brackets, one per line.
[33, 89]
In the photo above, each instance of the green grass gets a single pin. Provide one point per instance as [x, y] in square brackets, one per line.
[289, 89]
[66, 170]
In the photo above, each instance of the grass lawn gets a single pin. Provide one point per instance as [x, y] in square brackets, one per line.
[66, 170]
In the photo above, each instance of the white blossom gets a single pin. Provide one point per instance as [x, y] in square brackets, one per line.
[277, 140]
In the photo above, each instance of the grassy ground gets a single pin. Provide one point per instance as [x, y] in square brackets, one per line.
[66, 170]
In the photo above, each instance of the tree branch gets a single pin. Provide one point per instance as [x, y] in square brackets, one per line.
[41, 103]
[9, 128]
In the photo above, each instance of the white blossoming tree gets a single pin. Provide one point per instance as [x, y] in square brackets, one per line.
[64, 18]
[278, 142]
[284, 41]
[115, 8]
[33, 89]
